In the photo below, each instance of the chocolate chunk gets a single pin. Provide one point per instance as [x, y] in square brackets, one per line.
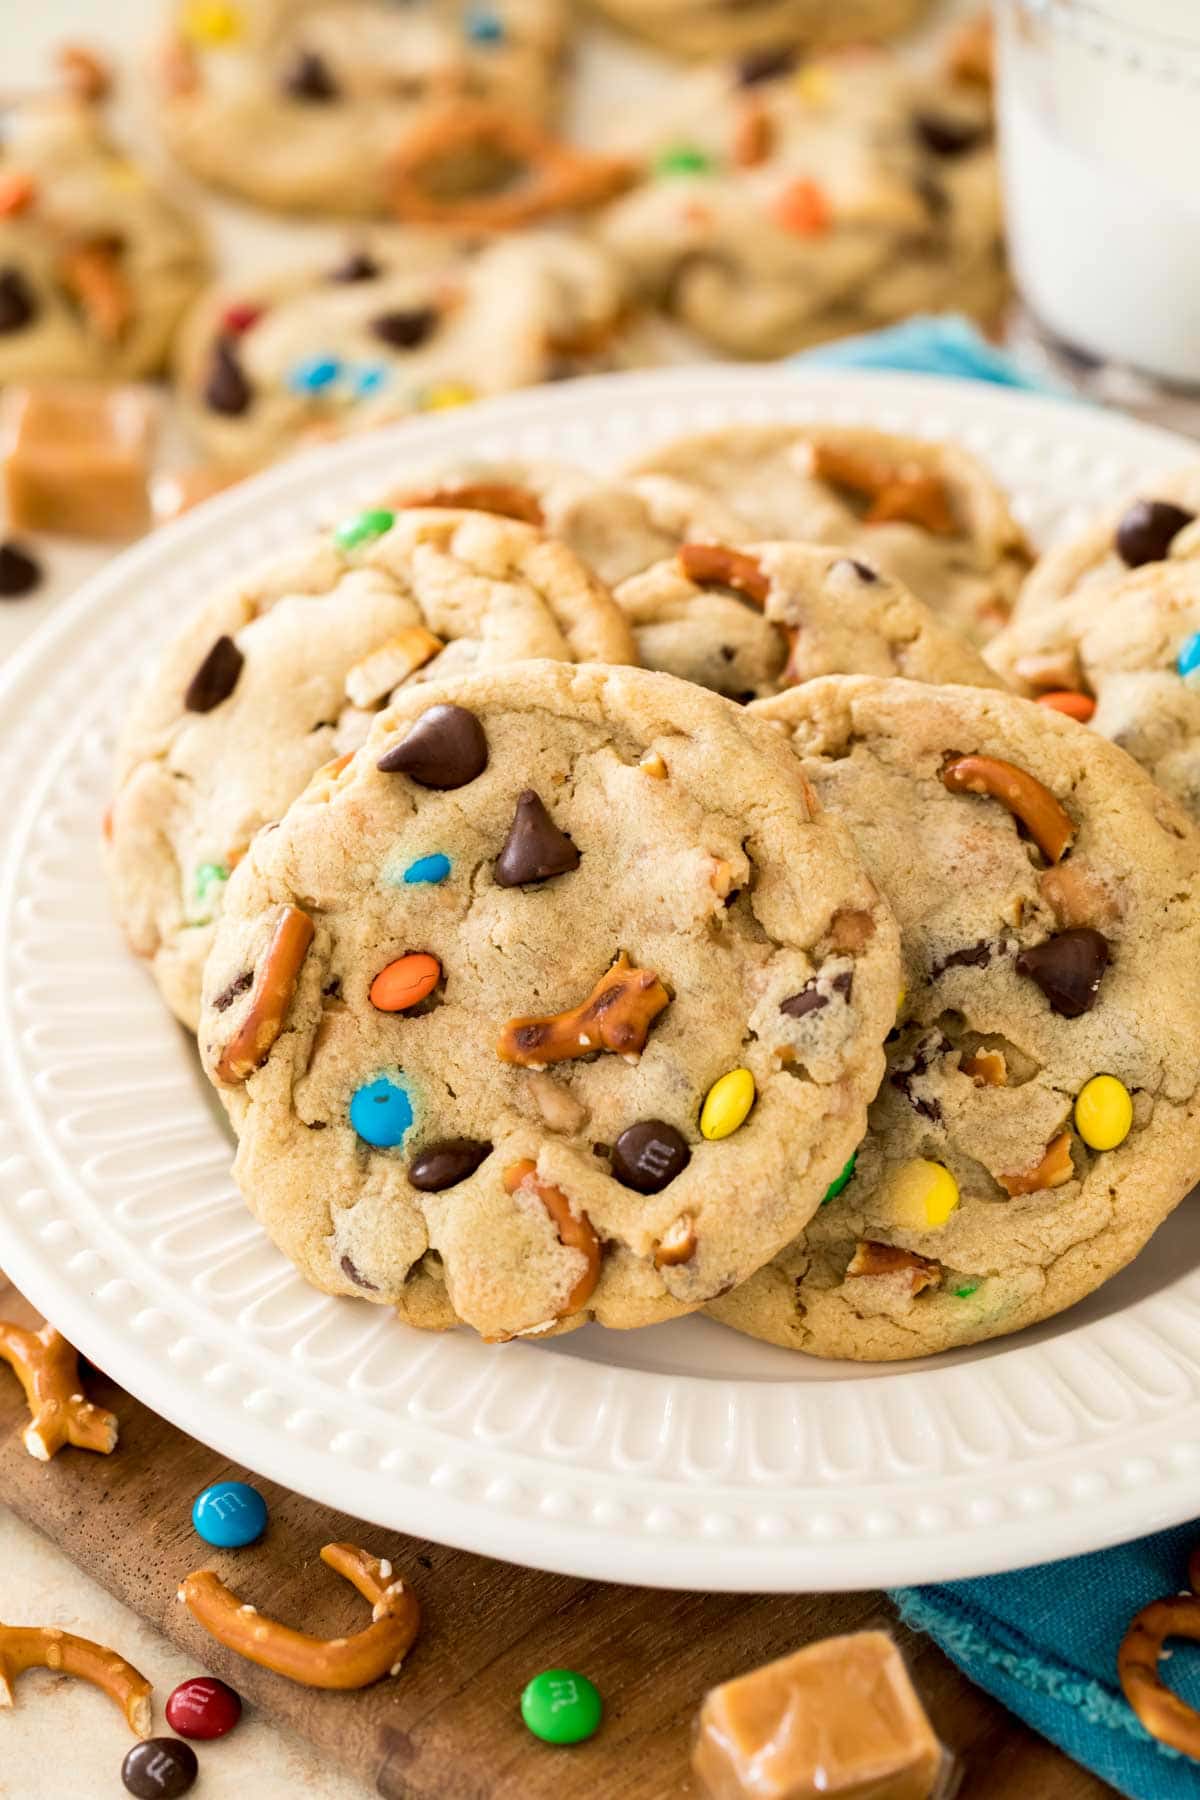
[406, 328]
[354, 1275]
[1147, 530]
[766, 65]
[934, 1045]
[948, 137]
[360, 265]
[19, 573]
[160, 1769]
[648, 1155]
[535, 849]
[216, 677]
[239, 985]
[446, 748]
[308, 78]
[972, 956]
[17, 304]
[810, 999]
[1068, 968]
[226, 389]
[444, 1165]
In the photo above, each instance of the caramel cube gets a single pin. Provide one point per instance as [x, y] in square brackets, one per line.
[77, 458]
[839, 1718]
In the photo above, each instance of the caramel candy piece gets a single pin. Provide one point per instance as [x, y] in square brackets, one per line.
[838, 1718]
[77, 458]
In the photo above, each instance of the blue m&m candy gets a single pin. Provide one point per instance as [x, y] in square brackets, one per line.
[313, 374]
[433, 868]
[381, 1113]
[483, 27]
[230, 1514]
[1189, 656]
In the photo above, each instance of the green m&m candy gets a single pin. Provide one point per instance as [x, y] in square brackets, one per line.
[683, 159]
[840, 1181]
[561, 1707]
[363, 527]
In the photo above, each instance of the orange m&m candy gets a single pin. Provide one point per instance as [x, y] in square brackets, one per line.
[1076, 706]
[406, 982]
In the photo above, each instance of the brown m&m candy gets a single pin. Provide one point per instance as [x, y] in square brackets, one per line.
[160, 1769]
[535, 848]
[444, 1165]
[650, 1154]
[446, 748]
[1147, 529]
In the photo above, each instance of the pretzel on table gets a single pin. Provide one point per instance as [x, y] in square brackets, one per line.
[48, 1369]
[45, 1647]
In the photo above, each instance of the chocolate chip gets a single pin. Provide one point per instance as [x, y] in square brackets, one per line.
[406, 328]
[766, 65]
[358, 266]
[535, 849]
[160, 1769]
[354, 1275]
[19, 573]
[216, 677]
[934, 1045]
[1068, 968]
[238, 985]
[444, 1165]
[446, 748]
[811, 998]
[972, 956]
[1147, 530]
[948, 137]
[648, 1155]
[17, 304]
[308, 78]
[863, 570]
[226, 389]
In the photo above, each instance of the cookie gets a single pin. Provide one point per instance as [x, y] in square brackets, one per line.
[749, 621]
[1124, 660]
[784, 205]
[399, 322]
[306, 105]
[558, 1076]
[698, 28]
[1157, 525]
[1039, 1115]
[97, 262]
[922, 511]
[278, 673]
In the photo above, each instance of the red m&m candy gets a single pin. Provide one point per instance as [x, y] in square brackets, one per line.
[203, 1708]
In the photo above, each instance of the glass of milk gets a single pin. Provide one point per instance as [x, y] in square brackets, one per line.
[1099, 104]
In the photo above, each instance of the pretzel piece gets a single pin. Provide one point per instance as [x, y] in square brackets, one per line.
[504, 498]
[898, 492]
[1052, 1171]
[270, 998]
[390, 663]
[616, 1016]
[873, 1258]
[1165, 1716]
[556, 177]
[342, 1662]
[1048, 824]
[46, 1647]
[92, 273]
[48, 1369]
[575, 1230]
[715, 564]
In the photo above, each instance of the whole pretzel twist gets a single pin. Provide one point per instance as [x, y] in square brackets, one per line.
[342, 1662]
[45, 1647]
[556, 177]
[48, 1369]
[1166, 1717]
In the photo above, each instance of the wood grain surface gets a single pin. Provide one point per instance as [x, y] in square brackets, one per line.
[448, 1727]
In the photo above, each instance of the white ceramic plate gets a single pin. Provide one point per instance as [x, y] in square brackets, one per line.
[678, 1456]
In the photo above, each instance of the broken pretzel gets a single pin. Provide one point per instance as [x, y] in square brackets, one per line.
[270, 998]
[1048, 824]
[872, 1258]
[48, 1369]
[1166, 1717]
[900, 492]
[575, 1230]
[1052, 1171]
[616, 1016]
[504, 498]
[716, 564]
[46, 1647]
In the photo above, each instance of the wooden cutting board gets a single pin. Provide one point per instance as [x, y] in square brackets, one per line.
[449, 1728]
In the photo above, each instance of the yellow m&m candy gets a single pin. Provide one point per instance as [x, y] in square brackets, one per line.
[211, 22]
[1103, 1112]
[922, 1195]
[727, 1103]
[445, 394]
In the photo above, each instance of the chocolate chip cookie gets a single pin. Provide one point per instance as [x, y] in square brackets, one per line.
[699, 28]
[97, 262]
[925, 512]
[1039, 1116]
[282, 671]
[785, 202]
[561, 992]
[400, 322]
[307, 104]
[1123, 659]
[752, 620]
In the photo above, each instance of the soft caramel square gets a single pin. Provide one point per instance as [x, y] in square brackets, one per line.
[838, 1720]
[77, 458]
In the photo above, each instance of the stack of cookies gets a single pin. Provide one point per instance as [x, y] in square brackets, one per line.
[602, 899]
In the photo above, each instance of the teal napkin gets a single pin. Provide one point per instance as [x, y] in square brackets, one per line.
[1044, 1641]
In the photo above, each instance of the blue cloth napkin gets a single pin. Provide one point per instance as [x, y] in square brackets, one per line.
[1044, 1641]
